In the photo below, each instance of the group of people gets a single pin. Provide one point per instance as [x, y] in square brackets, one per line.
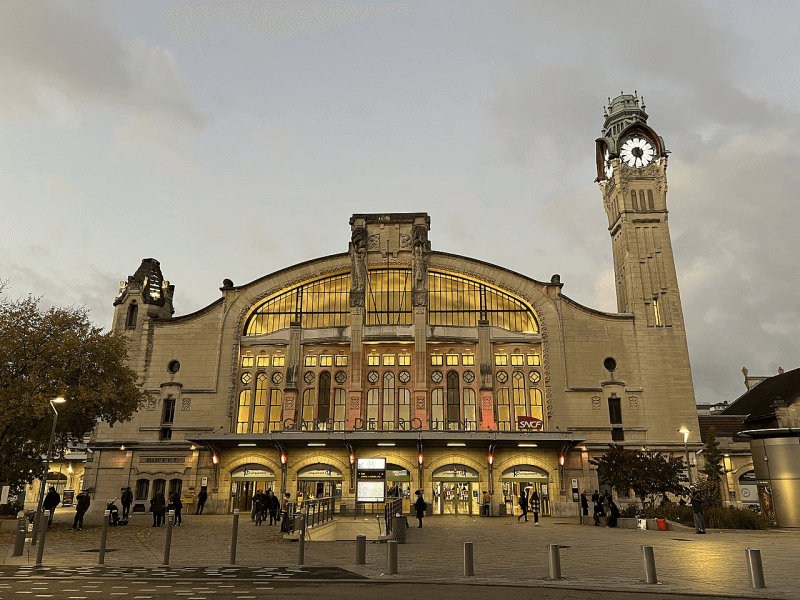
[159, 507]
[265, 503]
[529, 501]
[603, 506]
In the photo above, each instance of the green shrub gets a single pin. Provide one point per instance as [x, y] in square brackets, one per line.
[716, 518]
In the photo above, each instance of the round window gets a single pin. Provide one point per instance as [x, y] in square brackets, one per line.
[373, 377]
[502, 376]
[404, 376]
[436, 377]
[535, 376]
[174, 366]
[277, 377]
[469, 376]
[341, 377]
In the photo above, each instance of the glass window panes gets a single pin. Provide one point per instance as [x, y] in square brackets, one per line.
[437, 409]
[246, 378]
[260, 404]
[325, 360]
[403, 408]
[534, 376]
[373, 377]
[404, 360]
[374, 360]
[404, 377]
[339, 396]
[311, 360]
[470, 409]
[503, 410]
[388, 360]
[277, 378]
[533, 360]
[341, 377]
[308, 377]
[437, 360]
[452, 360]
[502, 376]
[341, 360]
[388, 400]
[262, 360]
[517, 360]
[468, 360]
[372, 407]
[437, 377]
[247, 361]
[278, 361]
[501, 359]
[275, 406]
[469, 377]
[243, 414]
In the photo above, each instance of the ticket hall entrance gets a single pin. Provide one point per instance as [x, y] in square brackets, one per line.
[525, 479]
[455, 491]
[245, 482]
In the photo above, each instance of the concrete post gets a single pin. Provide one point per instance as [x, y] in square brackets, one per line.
[168, 542]
[101, 558]
[19, 542]
[391, 566]
[40, 551]
[361, 549]
[754, 568]
[649, 565]
[469, 563]
[555, 562]
[234, 535]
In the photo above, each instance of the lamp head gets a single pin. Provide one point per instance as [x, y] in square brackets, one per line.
[59, 400]
[685, 433]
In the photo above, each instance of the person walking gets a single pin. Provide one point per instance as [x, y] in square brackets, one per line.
[613, 512]
[597, 508]
[157, 506]
[80, 509]
[487, 503]
[535, 506]
[697, 509]
[201, 500]
[177, 506]
[522, 501]
[420, 507]
[51, 500]
[584, 506]
[285, 512]
[272, 507]
[127, 500]
[258, 507]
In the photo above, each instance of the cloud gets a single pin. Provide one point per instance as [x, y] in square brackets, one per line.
[186, 23]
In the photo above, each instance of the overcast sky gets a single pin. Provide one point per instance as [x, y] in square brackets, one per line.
[229, 140]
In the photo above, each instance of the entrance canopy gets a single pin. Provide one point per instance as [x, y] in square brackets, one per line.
[455, 473]
[525, 473]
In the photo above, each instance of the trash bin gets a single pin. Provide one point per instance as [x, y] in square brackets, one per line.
[399, 529]
[662, 524]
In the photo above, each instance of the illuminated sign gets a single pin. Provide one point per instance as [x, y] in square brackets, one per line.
[371, 464]
[373, 490]
[529, 424]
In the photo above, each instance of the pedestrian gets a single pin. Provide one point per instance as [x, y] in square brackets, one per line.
[272, 507]
[522, 501]
[127, 500]
[613, 512]
[697, 509]
[157, 507]
[535, 505]
[51, 500]
[177, 506]
[584, 506]
[80, 509]
[420, 507]
[487, 503]
[285, 513]
[258, 507]
[201, 500]
[597, 508]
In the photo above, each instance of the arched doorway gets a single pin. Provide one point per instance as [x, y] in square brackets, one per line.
[455, 490]
[398, 482]
[525, 478]
[318, 481]
[246, 481]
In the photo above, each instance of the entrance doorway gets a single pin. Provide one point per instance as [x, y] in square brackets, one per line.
[246, 481]
[318, 481]
[525, 478]
[455, 491]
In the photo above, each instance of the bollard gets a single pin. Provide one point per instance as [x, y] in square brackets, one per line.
[469, 563]
[19, 542]
[301, 558]
[555, 562]
[168, 542]
[40, 552]
[361, 549]
[101, 558]
[234, 535]
[391, 566]
[649, 565]
[754, 567]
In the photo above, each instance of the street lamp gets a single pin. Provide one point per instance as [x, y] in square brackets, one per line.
[59, 400]
[686, 433]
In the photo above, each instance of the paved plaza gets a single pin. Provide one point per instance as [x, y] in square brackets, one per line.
[506, 553]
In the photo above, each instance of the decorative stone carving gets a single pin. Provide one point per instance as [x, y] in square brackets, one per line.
[595, 402]
[374, 242]
[186, 403]
[291, 376]
[405, 241]
[355, 403]
[633, 402]
[419, 266]
[420, 402]
[152, 402]
[358, 269]
[290, 403]
[548, 387]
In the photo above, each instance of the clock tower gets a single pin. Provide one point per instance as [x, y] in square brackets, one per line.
[632, 173]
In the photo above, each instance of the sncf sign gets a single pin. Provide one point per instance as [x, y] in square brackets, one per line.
[529, 424]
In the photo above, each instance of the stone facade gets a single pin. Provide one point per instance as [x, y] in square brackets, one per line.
[464, 375]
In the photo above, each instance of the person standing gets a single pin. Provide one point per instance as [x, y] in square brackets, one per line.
[157, 507]
[584, 506]
[127, 500]
[285, 512]
[487, 503]
[258, 507]
[597, 508]
[80, 509]
[613, 512]
[697, 509]
[535, 505]
[51, 500]
[522, 501]
[177, 506]
[201, 500]
[272, 507]
[420, 507]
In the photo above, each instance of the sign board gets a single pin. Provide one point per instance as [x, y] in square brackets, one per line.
[373, 464]
[455, 472]
[253, 474]
[320, 473]
[523, 473]
[529, 424]
[69, 498]
[371, 490]
[204, 482]
[641, 524]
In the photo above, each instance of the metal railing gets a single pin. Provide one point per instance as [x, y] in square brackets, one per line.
[318, 511]
[392, 508]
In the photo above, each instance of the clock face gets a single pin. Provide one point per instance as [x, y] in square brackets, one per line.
[637, 152]
[609, 170]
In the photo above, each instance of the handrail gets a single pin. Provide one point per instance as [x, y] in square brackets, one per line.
[317, 512]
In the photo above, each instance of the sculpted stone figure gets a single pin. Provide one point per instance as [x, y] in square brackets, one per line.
[358, 256]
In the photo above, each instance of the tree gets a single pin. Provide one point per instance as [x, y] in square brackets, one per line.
[47, 353]
[712, 467]
[646, 472]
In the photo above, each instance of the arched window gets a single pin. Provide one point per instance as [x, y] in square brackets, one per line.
[518, 384]
[388, 400]
[437, 409]
[404, 408]
[634, 202]
[159, 487]
[650, 204]
[642, 204]
[260, 404]
[324, 399]
[339, 413]
[536, 403]
[243, 414]
[453, 401]
[175, 486]
[309, 397]
[503, 410]
[275, 402]
[372, 408]
[470, 410]
[142, 489]
[133, 311]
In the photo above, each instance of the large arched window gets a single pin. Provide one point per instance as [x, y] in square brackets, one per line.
[309, 397]
[339, 413]
[133, 311]
[275, 407]
[453, 401]
[470, 410]
[260, 404]
[324, 399]
[243, 414]
[388, 401]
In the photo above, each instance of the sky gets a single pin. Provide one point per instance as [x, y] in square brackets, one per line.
[233, 139]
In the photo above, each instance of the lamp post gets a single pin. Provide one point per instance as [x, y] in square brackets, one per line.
[53, 402]
[686, 433]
